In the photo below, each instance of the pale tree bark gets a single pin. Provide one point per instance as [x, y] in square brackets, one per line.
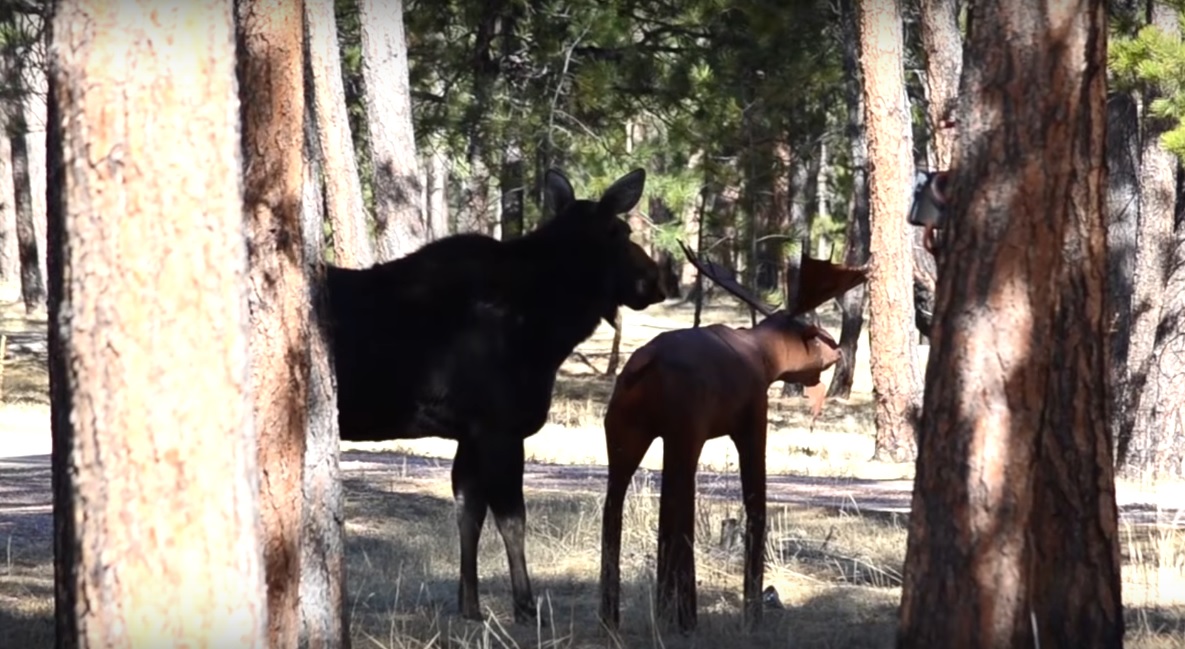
[895, 379]
[352, 247]
[944, 64]
[323, 604]
[397, 188]
[856, 233]
[10, 261]
[271, 83]
[155, 476]
[436, 194]
[1158, 192]
[1123, 220]
[1013, 536]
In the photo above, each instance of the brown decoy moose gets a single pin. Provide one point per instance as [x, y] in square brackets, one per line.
[691, 385]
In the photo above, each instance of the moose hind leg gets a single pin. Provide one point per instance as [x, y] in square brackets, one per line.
[470, 502]
[502, 477]
[625, 454]
[676, 533]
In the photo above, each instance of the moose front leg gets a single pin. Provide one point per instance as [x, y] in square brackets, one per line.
[750, 444]
[470, 501]
[502, 476]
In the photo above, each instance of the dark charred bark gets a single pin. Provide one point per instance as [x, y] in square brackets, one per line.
[1013, 528]
[32, 287]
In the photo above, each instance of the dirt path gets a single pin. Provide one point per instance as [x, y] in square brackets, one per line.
[26, 499]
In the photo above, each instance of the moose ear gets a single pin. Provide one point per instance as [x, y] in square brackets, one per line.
[625, 192]
[558, 190]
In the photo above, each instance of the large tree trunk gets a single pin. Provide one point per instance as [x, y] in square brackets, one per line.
[397, 189]
[155, 477]
[856, 234]
[352, 246]
[323, 605]
[32, 287]
[1123, 218]
[271, 83]
[10, 260]
[1013, 538]
[944, 63]
[895, 379]
[1158, 192]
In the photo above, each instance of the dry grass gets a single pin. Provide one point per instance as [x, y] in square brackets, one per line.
[836, 569]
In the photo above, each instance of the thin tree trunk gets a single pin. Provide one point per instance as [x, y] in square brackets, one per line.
[944, 64]
[437, 202]
[512, 185]
[397, 188]
[1013, 538]
[895, 380]
[33, 112]
[32, 287]
[323, 604]
[271, 82]
[1158, 192]
[857, 236]
[155, 476]
[10, 259]
[352, 246]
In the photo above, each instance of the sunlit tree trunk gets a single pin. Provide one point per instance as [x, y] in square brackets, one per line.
[1158, 193]
[1013, 538]
[856, 234]
[271, 86]
[10, 261]
[156, 538]
[895, 380]
[397, 185]
[323, 604]
[944, 63]
[352, 247]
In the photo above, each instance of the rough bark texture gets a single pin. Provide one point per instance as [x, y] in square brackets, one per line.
[10, 260]
[271, 84]
[944, 64]
[32, 286]
[155, 512]
[352, 247]
[1013, 536]
[1158, 193]
[895, 380]
[323, 610]
[397, 189]
[1123, 219]
[856, 234]
[1159, 451]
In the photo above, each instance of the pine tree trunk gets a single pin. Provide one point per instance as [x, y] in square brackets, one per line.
[32, 287]
[352, 247]
[1158, 193]
[437, 203]
[895, 380]
[324, 609]
[10, 260]
[512, 185]
[397, 185]
[155, 509]
[944, 64]
[856, 246]
[1013, 538]
[1123, 220]
[271, 83]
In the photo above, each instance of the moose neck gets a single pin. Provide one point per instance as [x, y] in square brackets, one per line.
[781, 351]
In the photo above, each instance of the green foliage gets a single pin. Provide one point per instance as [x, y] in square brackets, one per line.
[1151, 60]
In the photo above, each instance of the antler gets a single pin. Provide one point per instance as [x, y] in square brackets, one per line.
[820, 280]
[712, 272]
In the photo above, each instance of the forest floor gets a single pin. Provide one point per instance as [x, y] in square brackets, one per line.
[836, 542]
